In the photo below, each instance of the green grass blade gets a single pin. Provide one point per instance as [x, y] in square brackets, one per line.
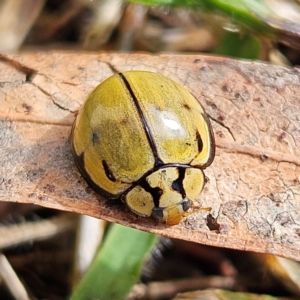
[234, 44]
[116, 267]
[247, 13]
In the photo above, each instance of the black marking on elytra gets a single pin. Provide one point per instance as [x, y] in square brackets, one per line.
[150, 138]
[211, 146]
[79, 161]
[185, 105]
[95, 138]
[109, 174]
[199, 142]
[177, 185]
[156, 192]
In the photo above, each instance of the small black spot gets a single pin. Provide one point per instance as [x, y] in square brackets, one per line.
[199, 141]
[197, 60]
[185, 105]
[95, 138]
[108, 172]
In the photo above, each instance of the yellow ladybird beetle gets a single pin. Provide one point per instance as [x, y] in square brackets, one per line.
[144, 139]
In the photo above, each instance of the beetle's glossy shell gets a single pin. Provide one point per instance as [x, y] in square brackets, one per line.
[133, 126]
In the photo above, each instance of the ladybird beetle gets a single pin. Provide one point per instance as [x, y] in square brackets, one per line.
[144, 139]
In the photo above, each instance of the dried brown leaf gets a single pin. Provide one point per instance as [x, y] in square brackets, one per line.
[253, 188]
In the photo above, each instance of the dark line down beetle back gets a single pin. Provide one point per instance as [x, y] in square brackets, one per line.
[144, 139]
